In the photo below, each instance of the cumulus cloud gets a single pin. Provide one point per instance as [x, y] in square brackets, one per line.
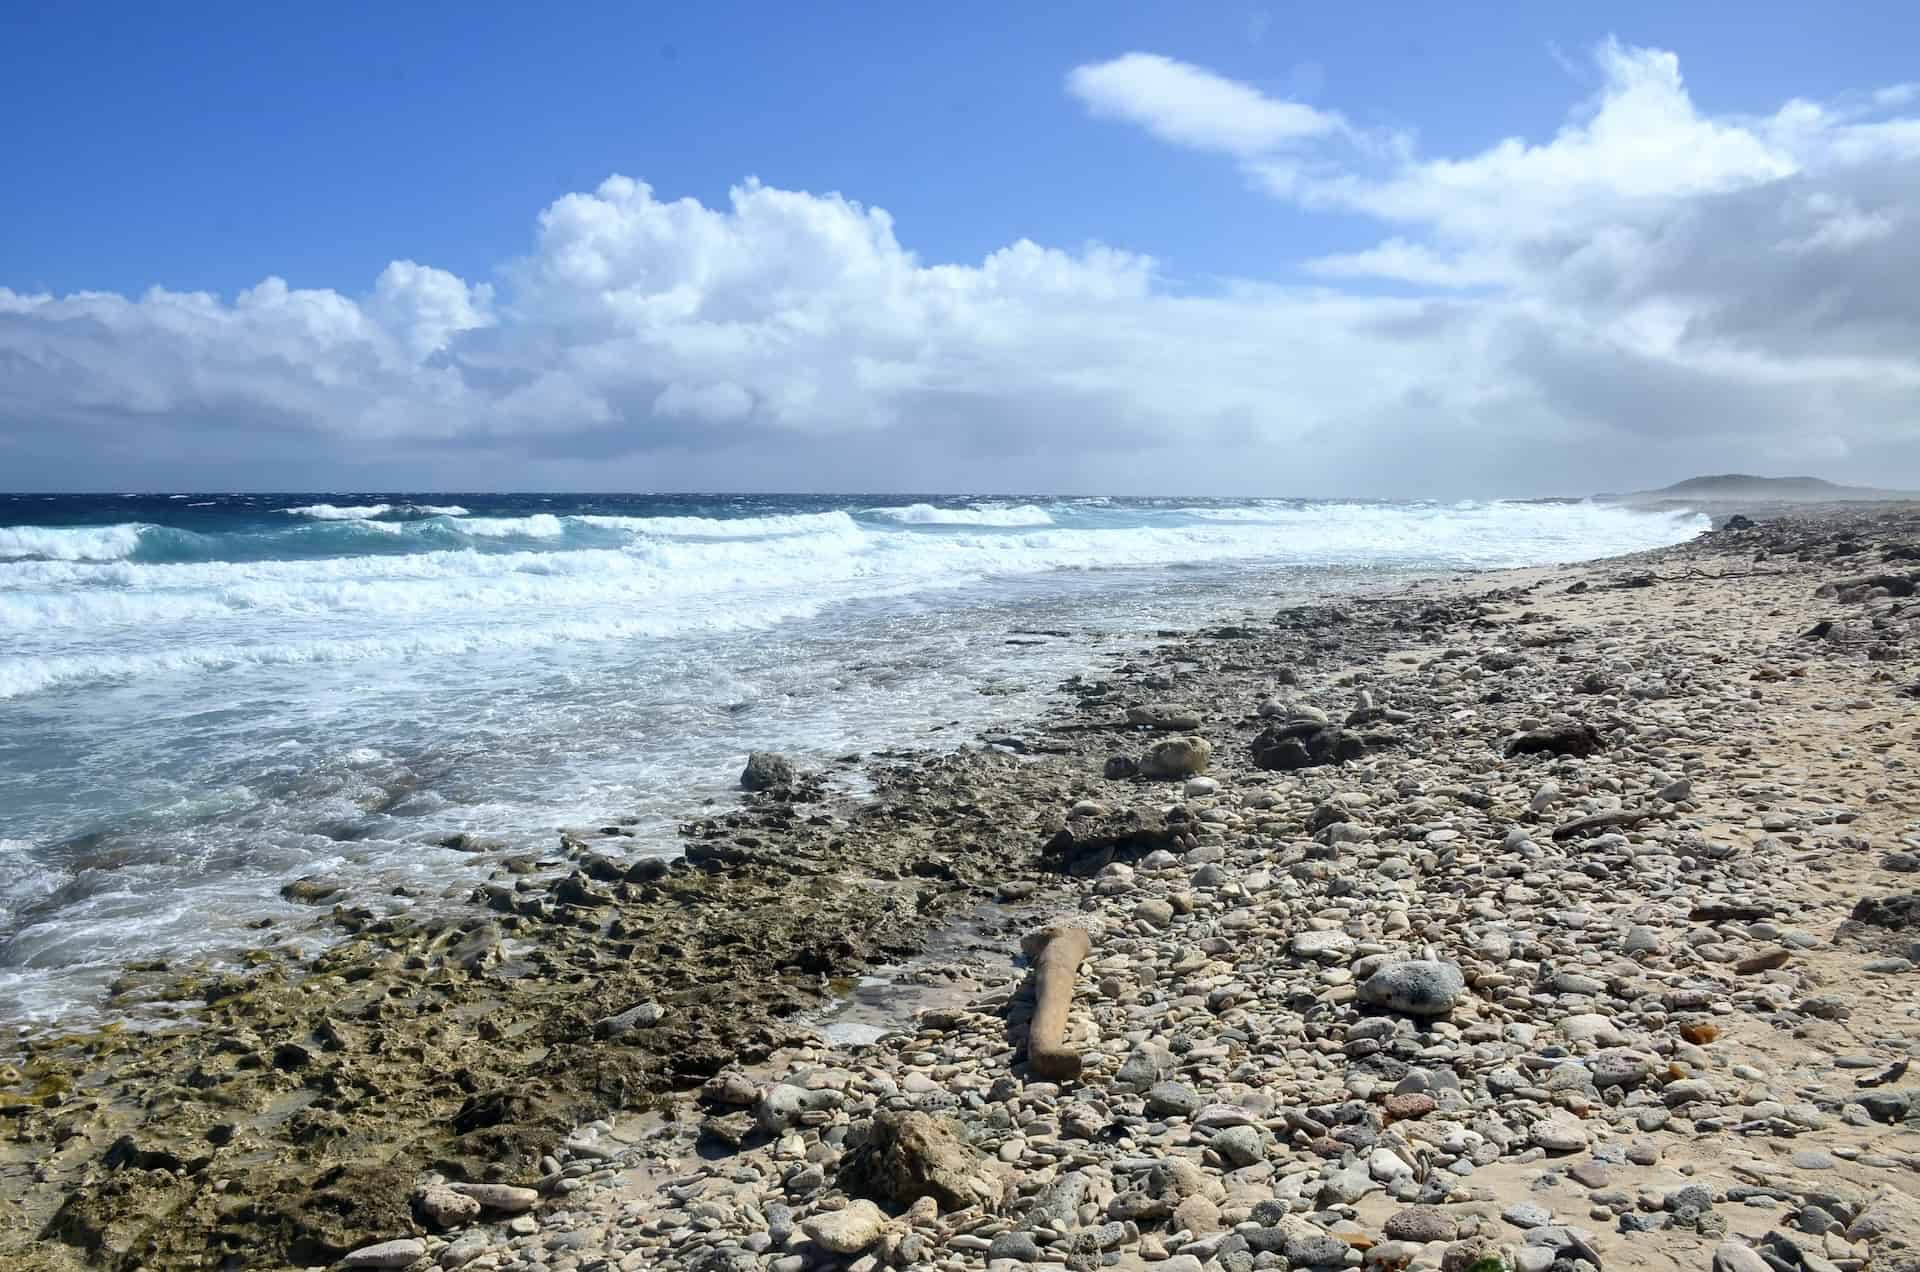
[1191, 106]
[1639, 291]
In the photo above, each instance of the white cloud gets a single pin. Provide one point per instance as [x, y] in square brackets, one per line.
[1191, 106]
[1645, 290]
[1402, 261]
[1640, 140]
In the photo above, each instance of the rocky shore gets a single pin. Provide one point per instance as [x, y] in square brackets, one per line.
[1528, 921]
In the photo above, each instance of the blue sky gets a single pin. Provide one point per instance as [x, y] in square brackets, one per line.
[209, 151]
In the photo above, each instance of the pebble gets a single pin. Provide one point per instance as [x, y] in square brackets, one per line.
[387, 1254]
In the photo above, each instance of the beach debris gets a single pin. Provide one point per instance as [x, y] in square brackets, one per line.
[1057, 953]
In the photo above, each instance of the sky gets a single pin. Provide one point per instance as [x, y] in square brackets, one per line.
[1262, 249]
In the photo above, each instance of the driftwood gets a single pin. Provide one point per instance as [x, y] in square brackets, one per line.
[1057, 953]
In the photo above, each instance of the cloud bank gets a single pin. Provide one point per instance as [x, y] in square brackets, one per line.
[1646, 292]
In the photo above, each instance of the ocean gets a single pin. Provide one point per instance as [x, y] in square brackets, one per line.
[204, 697]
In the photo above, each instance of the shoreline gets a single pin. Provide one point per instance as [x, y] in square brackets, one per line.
[294, 1119]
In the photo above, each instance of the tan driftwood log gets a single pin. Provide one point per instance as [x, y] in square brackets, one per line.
[1057, 953]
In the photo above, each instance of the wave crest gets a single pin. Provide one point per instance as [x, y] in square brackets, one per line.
[70, 543]
[922, 514]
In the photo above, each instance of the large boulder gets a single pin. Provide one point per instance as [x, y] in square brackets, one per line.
[766, 771]
[1176, 758]
[908, 1156]
[1305, 744]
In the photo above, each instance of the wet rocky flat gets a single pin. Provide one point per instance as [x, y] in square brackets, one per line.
[1553, 918]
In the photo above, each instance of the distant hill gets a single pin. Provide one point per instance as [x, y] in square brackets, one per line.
[1774, 489]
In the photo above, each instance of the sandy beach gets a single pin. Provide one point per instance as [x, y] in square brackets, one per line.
[1556, 917]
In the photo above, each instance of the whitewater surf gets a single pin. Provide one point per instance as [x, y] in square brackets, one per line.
[203, 698]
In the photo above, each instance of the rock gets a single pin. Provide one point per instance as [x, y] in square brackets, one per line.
[1765, 961]
[783, 1105]
[1619, 1067]
[445, 1207]
[387, 1254]
[1347, 1185]
[1589, 1174]
[1142, 1069]
[1307, 1247]
[1240, 1145]
[1172, 1099]
[1418, 987]
[464, 1249]
[1642, 940]
[1197, 1215]
[312, 889]
[1560, 739]
[1305, 744]
[1165, 715]
[1558, 1134]
[1676, 791]
[1119, 768]
[908, 1156]
[1176, 758]
[1019, 1246]
[1154, 912]
[1422, 1224]
[643, 1016]
[1330, 947]
[767, 770]
[1735, 1256]
[1527, 1216]
[1896, 913]
[846, 1231]
[1408, 1105]
[501, 1198]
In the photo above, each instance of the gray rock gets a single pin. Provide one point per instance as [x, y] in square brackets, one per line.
[1310, 1249]
[1170, 716]
[1735, 1256]
[1421, 1224]
[1172, 1099]
[1418, 987]
[1015, 1245]
[1176, 758]
[640, 1016]
[446, 1208]
[1240, 1145]
[1619, 1067]
[1330, 947]
[1558, 1134]
[502, 1199]
[387, 1254]
[846, 1231]
[464, 1249]
[1141, 1070]
[783, 1105]
[766, 770]
[1527, 1215]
